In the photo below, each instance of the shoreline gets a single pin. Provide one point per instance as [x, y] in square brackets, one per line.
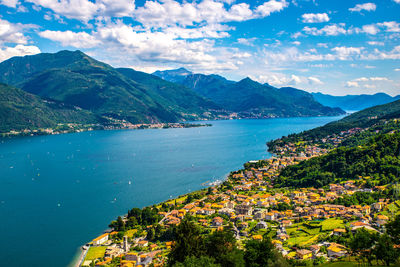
[142, 126]
[50, 131]
[80, 255]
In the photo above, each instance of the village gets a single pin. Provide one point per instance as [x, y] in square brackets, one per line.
[304, 223]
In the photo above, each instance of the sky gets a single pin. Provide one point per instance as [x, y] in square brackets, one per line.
[334, 47]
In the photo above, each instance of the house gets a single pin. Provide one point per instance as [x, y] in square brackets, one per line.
[314, 249]
[100, 239]
[303, 254]
[261, 225]
[143, 243]
[258, 215]
[257, 237]
[336, 251]
[217, 221]
[126, 263]
[132, 256]
[244, 209]
[339, 231]
[103, 263]
[208, 211]
[381, 220]
[378, 206]
[112, 252]
[270, 216]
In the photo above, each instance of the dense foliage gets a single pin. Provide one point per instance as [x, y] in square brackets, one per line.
[379, 158]
[369, 246]
[219, 248]
[21, 110]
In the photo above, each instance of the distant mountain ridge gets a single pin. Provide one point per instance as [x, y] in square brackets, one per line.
[354, 102]
[250, 97]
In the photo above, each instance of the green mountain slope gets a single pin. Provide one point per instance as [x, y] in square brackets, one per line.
[362, 119]
[248, 96]
[173, 94]
[354, 102]
[77, 79]
[21, 110]
[379, 158]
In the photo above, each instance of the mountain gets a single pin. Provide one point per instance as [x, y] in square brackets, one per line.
[354, 102]
[21, 110]
[363, 119]
[175, 76]
[250, 97]
[77, 79]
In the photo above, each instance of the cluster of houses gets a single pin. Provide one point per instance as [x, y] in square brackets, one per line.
[312, 148]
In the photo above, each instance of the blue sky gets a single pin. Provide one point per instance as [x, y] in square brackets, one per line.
[335, 47]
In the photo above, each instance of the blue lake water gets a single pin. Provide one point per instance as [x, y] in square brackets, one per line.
[59, 192]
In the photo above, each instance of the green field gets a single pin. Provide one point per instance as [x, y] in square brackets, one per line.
[330, 224]
[95, 253]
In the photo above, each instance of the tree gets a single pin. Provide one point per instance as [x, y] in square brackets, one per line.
[393, 229]
[202, 261]
[262, 253]
[385, 251]
[118, 225]
[221, 245]
[361, 244]
[188, 242]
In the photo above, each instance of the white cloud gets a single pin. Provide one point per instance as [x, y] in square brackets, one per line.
[315, 80]
[164, 47]
[13, 33]
[345, 53]
[241, 55]
[397, 1]
[10, 3]
[367, 82]
[376, 43]
[362, 79]
[296, 43]
[281, 80]
[170, 12]
[391, 26]
[69, 38]
[325, 45]
[18, 50]
[246, 41]
[85, 10]
[352, 84]
[370, 29]
[271, 6]
[315, 18]
[377, 54]
[328, 30]
[397, 69]
[379, 79]
[361, 7]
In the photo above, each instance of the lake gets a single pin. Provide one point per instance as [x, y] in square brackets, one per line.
[58, 192]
